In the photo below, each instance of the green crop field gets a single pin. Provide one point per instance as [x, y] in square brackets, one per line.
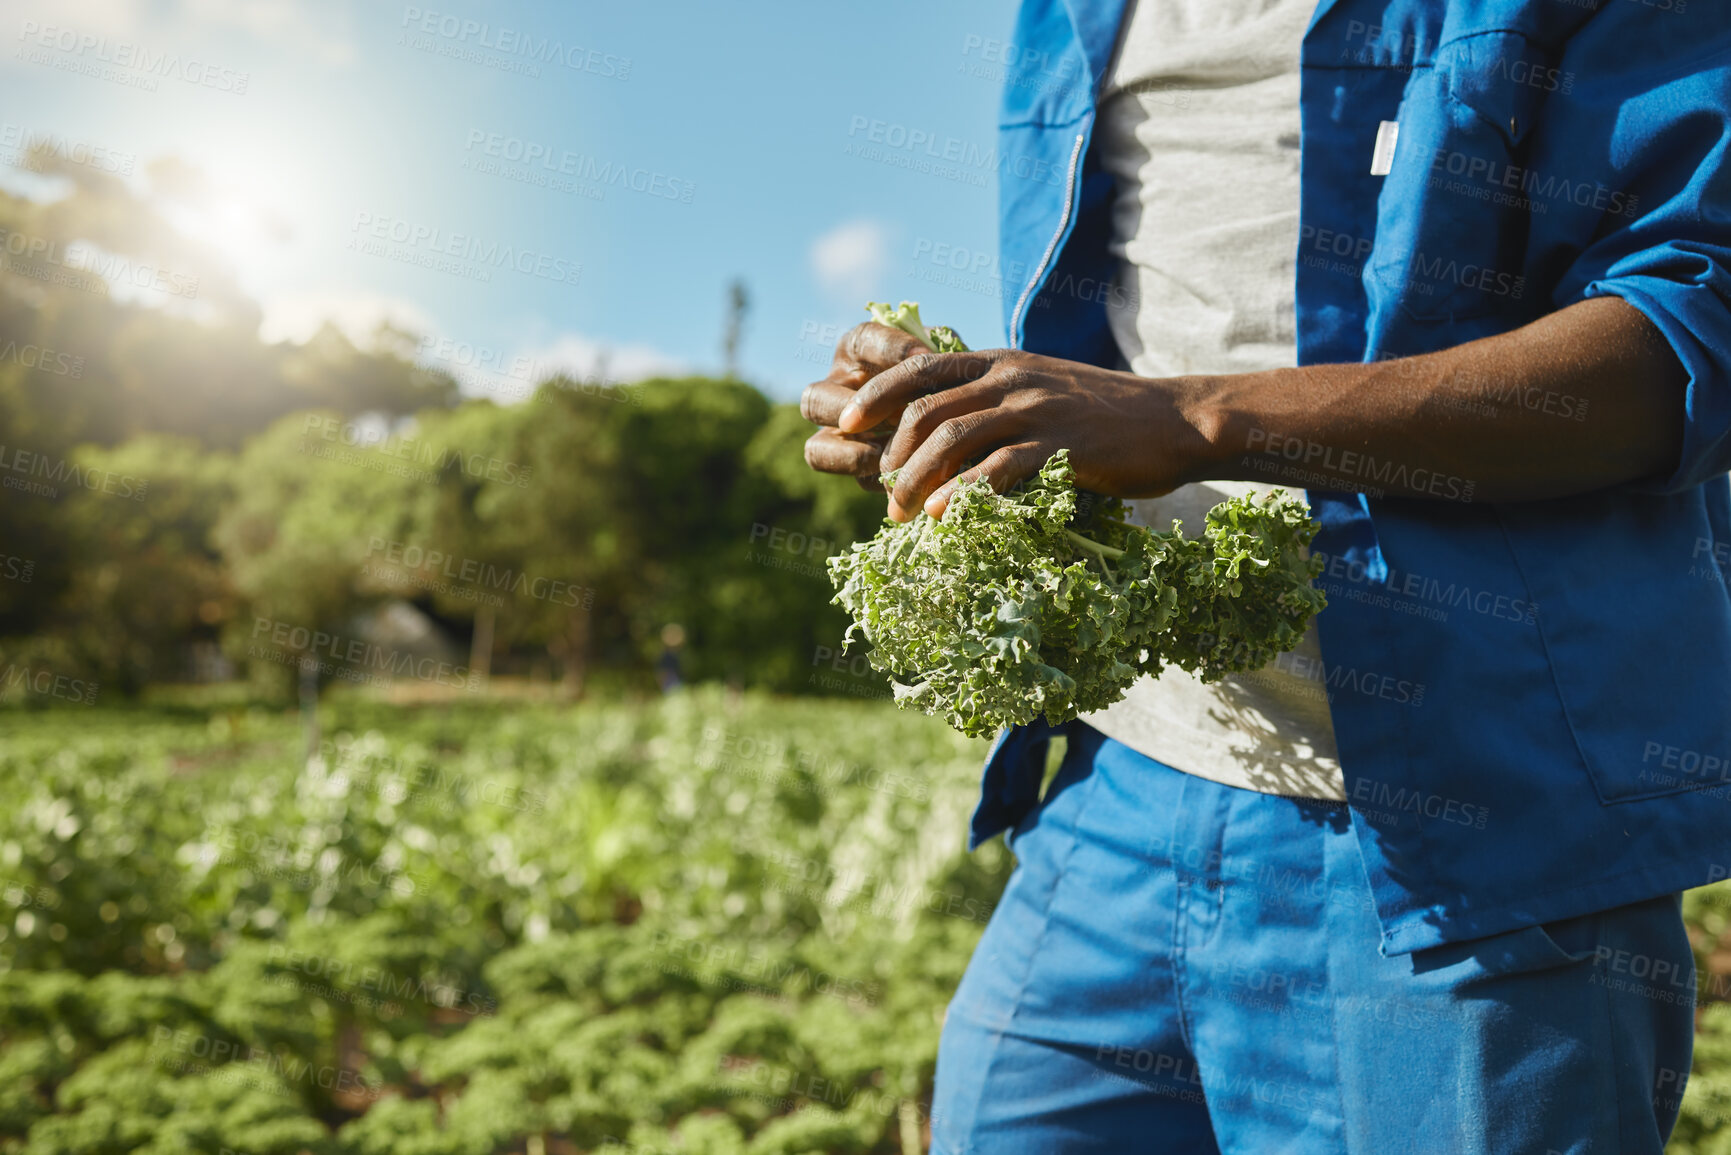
[714, 923]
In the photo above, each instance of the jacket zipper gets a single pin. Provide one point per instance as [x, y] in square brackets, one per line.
[1052, 245]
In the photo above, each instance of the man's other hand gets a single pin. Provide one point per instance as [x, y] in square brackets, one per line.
[863, 352]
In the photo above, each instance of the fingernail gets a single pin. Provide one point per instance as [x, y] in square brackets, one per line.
[849, 416]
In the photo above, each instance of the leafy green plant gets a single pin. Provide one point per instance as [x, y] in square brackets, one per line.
[711, 924]
[906, 317]
[1002, 611]
[1005, 610]
[715, 923]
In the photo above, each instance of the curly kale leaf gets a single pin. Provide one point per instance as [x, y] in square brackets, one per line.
[906, 317]
[1004, 612]
[1253, 600]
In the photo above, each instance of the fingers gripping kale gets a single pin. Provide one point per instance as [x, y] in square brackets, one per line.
[1011, 607]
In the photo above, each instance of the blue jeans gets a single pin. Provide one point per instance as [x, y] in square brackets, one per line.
[1180, 966]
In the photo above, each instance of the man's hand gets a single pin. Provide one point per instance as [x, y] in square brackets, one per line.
[864, 351]
[1128, 436]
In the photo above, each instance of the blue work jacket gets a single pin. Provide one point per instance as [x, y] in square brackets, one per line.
[1532, 700]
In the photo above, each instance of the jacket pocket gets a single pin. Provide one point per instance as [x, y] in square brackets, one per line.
[1638, 636]
[1452, 222]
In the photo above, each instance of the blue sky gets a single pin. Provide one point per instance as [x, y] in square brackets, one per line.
[769, 141]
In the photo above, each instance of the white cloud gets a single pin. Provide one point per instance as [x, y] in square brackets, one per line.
[850, 259]
[297, 316]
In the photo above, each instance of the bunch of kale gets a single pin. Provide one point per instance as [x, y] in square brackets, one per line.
[1013, 607]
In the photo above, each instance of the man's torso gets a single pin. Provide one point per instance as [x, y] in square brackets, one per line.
[1199, 121]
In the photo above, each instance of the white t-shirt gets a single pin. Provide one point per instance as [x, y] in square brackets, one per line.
[1199, 122]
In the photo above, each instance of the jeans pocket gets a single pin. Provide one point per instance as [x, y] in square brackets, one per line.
[1545, 946]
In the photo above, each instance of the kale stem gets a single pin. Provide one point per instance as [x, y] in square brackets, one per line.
[1091, 544]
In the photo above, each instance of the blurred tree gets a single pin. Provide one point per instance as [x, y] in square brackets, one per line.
[706, 467]
[526, 497]
[305, 508]
[582, 521]
[149, 580]
[178, 352]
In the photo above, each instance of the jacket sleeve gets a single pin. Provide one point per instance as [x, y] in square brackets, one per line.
[1643, 142]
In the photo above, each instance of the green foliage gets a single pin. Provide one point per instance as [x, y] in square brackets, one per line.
[152, 579]
[1001, 612]
[718, 924]
[1704, 1128]
[1704, 1125]
[641, 513]
[278, 479]
[147, 394]
[458, 929]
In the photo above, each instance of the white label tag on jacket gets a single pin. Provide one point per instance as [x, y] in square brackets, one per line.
[1382, 157]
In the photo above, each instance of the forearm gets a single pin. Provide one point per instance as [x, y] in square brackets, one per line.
[1588, 397]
